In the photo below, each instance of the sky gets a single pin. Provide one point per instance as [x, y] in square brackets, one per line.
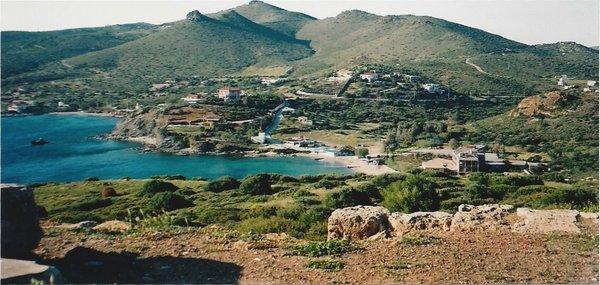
[526, 21]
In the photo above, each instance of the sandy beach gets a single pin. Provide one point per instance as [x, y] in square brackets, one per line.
[354, 163]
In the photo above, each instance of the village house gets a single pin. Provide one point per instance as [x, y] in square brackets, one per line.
[230, 93]
[191, 99]
[158, 87]
[466, 160]
[18, 106]
[270, 81]
[411, 78]
[369, 76]
[62, 105]
[304, 120]
[432, 88]
[562, 81]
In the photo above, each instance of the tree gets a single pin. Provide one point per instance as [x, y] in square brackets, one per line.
[411, 195]
[454, 143]
[362, 152]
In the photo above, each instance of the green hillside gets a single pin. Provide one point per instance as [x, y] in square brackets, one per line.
[25, 51]
[197, 46]
[278, 19]
[261, 39]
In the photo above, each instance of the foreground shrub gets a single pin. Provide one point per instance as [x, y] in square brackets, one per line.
[156, 186]
[264, 225]
[411, 195]
[222, 184]
[316, 249]
[326, 264]
[256, 185]
[168, 201]
[91, 204]
[108, 192]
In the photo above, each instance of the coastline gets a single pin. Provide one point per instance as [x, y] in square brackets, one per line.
[83, 113]
[354, 163]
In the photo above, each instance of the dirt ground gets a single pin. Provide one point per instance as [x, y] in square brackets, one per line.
[198, 256]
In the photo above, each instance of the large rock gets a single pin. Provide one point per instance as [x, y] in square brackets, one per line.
[489, 216]
[78, 226]
[358, 222]
[21, 231]
[23, 271]
[546, 221]
[114, 226]
[401, 224]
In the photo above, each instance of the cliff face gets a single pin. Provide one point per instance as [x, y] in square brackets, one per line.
[140, 124]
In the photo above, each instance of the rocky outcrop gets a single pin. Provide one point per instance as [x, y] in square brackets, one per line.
[420, 221]
[16, 271]
[77, 226]
[113, 226]
[357, 222]
[544, 104]
[369, 222]
[546, 221]
[489, 216]
[21, 231]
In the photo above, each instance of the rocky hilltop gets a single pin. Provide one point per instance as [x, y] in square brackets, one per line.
[372, 222]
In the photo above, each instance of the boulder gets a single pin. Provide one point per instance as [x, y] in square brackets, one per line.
[358, 222]
[21, 231]
[488, 216]
[114, 226]
[546, 221]
[420, 221]
[80, 225]
[592, 216]
[16, 271]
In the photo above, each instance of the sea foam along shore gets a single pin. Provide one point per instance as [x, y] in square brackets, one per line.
[82, 113]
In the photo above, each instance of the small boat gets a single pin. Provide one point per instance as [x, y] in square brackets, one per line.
[39, 141]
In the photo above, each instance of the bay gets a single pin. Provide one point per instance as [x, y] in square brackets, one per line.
[74, 154]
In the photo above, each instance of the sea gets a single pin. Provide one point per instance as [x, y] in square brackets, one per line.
[75, 152]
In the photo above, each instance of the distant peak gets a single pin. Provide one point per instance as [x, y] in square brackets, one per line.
[195, 16]
[355, 13]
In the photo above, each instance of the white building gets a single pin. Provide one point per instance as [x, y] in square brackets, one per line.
[62, 104]
[562, 81]
[592, 83]
[369, 76]
[432, 88]
[269, 81]
[230, 93]
[191, 99]
[305, 121]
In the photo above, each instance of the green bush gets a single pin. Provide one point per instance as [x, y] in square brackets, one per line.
[264, 225]
[316, 249]
[328, 265]
[222, 184]
[91, 204]
[411, 195]
[256, 185]
[156, 186]
[347, 197]
[577, 197]
[384, 180]
[168, 201]
[328, 184]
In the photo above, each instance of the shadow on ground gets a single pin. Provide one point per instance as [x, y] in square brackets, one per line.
[84, 265]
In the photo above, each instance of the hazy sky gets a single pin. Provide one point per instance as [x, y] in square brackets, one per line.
[527, 21]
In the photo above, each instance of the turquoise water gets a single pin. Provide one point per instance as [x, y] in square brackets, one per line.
[73, 154]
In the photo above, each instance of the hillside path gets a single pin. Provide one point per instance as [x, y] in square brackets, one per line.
[468, 61]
